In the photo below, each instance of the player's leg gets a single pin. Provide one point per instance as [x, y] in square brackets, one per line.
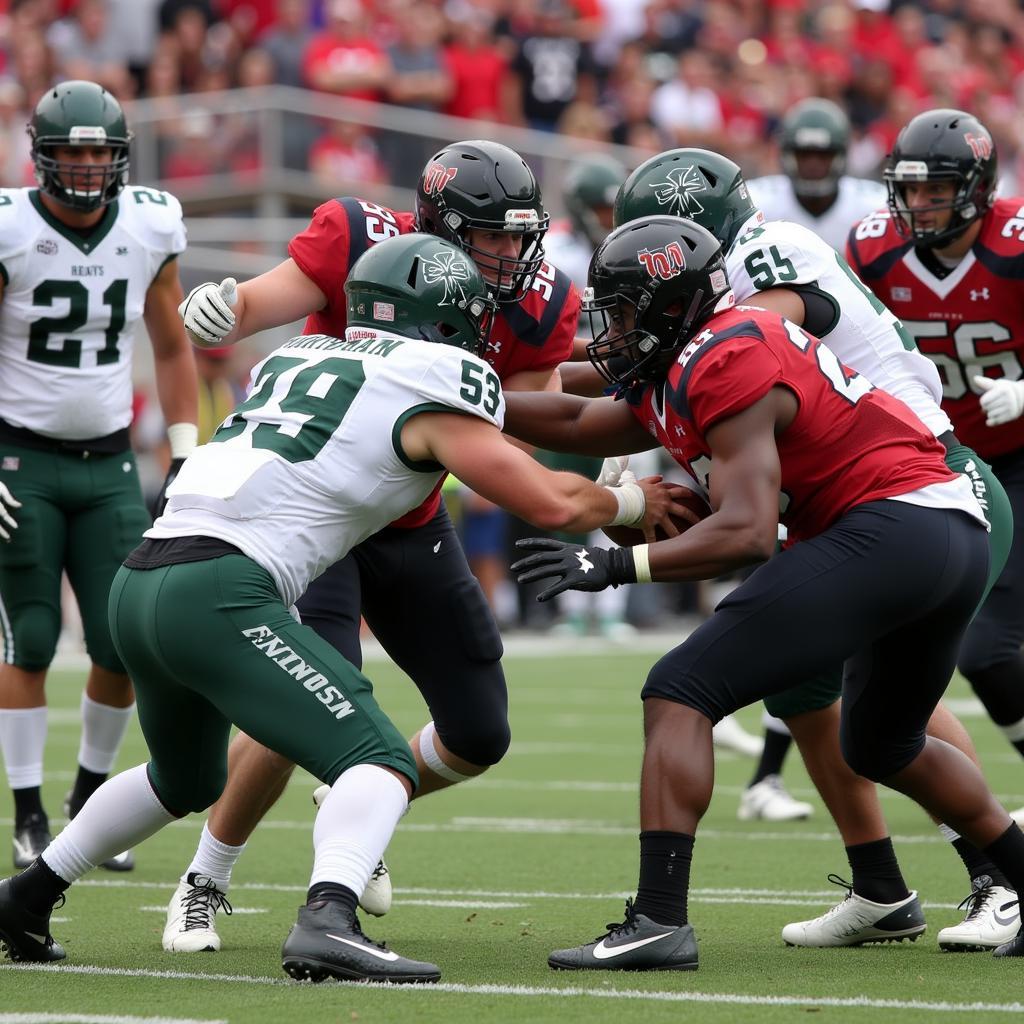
[31, 564]
[765, 797]
[430, 615]
[106, 519]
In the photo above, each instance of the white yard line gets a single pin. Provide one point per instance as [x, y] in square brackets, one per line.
[552, 992]
[92, 1018]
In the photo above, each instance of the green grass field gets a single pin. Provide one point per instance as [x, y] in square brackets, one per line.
[490, 876]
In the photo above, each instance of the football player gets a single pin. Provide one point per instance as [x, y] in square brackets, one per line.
[946, 257]
[336, 439]
[785, 267]
[815, 189]
[83, 259]
[888, 561]
[482, 197]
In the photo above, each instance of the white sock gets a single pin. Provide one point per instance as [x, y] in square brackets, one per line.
[950, 835]
[1013, 732]
[103, 729]
[119, 815]
[774, 724]
[214, 859]
[22, 741]
[354, 825]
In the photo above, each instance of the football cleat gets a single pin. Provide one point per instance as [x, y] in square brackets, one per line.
[993, 917]
[857, 921]
[1015, 947]
[124, 861]
[31, 837]
[25, 936]
[730, 735]
[768, 800]
[376, 898]
[191, 916]
[327, 942]
[636, 944]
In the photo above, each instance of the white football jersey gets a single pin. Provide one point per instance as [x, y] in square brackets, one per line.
[71, 302]
[858, 197]
[867, 337]
[312, 462]
[568, 252]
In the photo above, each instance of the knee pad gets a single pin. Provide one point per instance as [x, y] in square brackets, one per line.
[189, 795]
[879, 757]
[664, 681]
[34, 634]
[1000, 688]
[478, 735]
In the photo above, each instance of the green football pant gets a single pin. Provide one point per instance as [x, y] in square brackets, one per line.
[209, 644]
[824, 690]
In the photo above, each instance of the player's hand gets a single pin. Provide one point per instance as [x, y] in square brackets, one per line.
[575, 566]
[615, 471]
[207, 312]
[7, 523]
[1002, 400]
[160, 502]
[662, 510]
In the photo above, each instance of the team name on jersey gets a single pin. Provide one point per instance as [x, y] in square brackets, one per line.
[265, 640]
[370, 342]
[85, 270]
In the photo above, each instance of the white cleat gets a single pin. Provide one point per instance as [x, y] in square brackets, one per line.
[857, 921]
[768, 800]
[730, 735]
[377, 895]
[993, 917]
[191, 916]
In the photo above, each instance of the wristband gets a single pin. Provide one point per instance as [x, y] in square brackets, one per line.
[182, 438]
[642, 562]
[631, 501]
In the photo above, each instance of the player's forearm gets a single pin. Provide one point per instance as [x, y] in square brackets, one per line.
[177, 385]
[558, 422]
[713, 547]
[582, 379]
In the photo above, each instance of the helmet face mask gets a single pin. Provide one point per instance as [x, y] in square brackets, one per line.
[819, 127]
[653, 282]
[420, 286]
[80, 114]
[589, 193]
[698, 184]
[481, 187]
[941, 146]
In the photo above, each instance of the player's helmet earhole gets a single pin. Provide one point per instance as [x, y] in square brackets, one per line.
[413, 271]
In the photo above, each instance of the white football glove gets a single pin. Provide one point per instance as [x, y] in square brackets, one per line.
[207, 312]
[614, 472]
[1002, 400]
[7, 522]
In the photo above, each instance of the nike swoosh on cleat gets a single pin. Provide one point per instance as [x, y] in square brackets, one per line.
[1014, 916]
[41, 939]
[437, 547]
[380, 954]
[606, 952]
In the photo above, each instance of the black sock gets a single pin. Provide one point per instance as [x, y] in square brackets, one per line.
[38, 887]
[86, 783]
[665, 859]
[979, 865]
[1007, 853]
[776, 746]
[333, 892]
[27, 802]
[876, 872]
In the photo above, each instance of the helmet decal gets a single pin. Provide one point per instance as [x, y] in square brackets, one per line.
[451, 270]
[981, 145]
[436, 176]
[666, 263]
[679, 191]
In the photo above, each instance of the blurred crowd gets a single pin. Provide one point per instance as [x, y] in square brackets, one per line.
[648, 73]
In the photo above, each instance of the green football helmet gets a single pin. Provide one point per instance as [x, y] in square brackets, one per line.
[590, 185]
[702, 186]
[653, 283]
[814, 126]
[420, 286]
[79, 113]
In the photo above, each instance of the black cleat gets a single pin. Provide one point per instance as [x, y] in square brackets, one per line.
[124, 861]
[25, 936]
[31, 837]
[327, 942]
[637, 944]
[1015, 947]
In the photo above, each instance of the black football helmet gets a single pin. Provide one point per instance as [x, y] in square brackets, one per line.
[79, 113]
[485, 186]
[653, 282]
[942, 145]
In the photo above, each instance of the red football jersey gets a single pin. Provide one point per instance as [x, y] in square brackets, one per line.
[970, 322]
[850, 443]
[534, 334]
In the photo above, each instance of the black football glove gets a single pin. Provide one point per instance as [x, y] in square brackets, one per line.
[160, 501]
[579, 566]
